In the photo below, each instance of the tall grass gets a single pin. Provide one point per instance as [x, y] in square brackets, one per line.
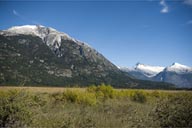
[95, 106]
[14, 109]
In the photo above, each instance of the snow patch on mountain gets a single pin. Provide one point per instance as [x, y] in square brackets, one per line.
[177, 74]
[50, 36]
[37, 30]
[148, 70]
[151, 71]
[179, 68]
[27, 29]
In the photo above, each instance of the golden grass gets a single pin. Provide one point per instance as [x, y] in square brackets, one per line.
[61, 89]
[40, 89]
[100, 106]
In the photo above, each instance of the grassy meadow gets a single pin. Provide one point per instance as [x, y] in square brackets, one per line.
[95, 107]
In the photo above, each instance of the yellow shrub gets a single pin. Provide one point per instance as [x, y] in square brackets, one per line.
[138, 96]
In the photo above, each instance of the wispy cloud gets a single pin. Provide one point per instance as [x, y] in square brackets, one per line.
[16, 13]
[165, 8]
[188, 2]
[189, 22]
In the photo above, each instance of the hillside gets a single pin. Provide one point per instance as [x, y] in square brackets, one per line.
[38, 56]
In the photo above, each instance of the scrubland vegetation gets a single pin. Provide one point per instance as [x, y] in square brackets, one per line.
[95, 106]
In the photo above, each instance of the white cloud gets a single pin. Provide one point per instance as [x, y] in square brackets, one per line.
[15, 13]
[165, 8]
[189, 22]
[19, 15]
[188, 2]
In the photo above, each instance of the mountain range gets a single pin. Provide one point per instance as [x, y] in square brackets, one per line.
[35, 55]
[178, 74]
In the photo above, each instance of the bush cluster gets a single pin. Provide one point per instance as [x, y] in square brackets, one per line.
[74, 108]
[174, 111]
[76, 96]
[102, 91]
[138, 96]
[14, 109]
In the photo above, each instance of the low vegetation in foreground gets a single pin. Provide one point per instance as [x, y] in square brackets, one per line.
[95, 107]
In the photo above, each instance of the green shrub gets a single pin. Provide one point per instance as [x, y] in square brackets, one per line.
[71, 96]
[102, 91]
[87, 98]
[174, 111]
[58, 96]
[138, 96]
[75, 96]
[14, 109]
[40, 99]
[155, 94]
[92, 88]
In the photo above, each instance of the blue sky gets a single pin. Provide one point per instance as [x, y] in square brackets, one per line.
[155, 32]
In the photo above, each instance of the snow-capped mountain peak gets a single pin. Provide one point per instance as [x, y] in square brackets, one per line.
[179, 68]
[177, 65]
[177, 74]
[37, 30]
[50, 36]
[148, 70]
[25, 29]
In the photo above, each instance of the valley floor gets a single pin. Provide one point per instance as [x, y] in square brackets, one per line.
[95, 107]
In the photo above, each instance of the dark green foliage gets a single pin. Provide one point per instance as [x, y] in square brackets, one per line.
[14, 109]
[174, 111]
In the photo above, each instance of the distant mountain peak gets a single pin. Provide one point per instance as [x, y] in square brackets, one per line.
[139, 64]
[179, 68]
[176, 73]
[148, 70]
[178, 65]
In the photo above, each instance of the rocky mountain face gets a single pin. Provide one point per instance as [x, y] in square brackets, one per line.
[38, 55]
[177, 74]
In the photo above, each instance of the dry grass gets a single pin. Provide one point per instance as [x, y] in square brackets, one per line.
[96, 107]
[40, 89]
[61, 89]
